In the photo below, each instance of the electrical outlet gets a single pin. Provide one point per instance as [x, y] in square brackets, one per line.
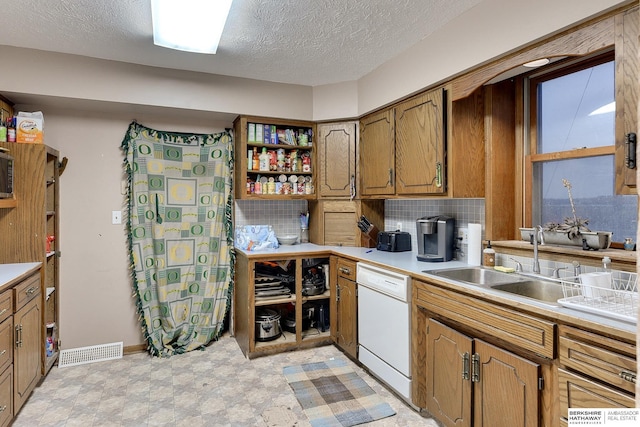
[463, 235]
[116, 217]
[398, 226]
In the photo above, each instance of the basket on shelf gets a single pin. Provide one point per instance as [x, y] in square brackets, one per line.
[613, 295]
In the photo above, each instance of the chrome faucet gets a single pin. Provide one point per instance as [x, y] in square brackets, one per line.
[576, 268]
[518, 265]
[537, 233]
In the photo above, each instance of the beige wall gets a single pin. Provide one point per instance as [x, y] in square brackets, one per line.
[88, 104]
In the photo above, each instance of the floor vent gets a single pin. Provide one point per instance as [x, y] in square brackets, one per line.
[91, 354]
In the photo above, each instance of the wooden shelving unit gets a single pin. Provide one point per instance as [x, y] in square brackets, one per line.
[246, 305]
[30, 231]
[244, 173]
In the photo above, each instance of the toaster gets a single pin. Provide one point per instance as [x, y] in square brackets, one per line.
[394, 241]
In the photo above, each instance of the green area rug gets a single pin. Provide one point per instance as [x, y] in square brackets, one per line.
[332, 394]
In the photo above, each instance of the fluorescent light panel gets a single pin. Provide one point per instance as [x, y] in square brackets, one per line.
[189, 25]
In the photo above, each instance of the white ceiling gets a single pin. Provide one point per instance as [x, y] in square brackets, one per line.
[306, 42]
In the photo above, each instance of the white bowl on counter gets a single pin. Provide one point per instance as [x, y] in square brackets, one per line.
[288, 239]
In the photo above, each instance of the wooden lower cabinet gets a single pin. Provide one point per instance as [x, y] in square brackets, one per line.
[344, 329]
[6, 361]
[595, 371]
[28, 346]
[296, 315]
[473, 383]
[6, 397]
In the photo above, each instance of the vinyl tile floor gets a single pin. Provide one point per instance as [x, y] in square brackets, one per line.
[215, 387]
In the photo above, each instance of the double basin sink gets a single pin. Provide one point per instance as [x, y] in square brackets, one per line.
[547, 291]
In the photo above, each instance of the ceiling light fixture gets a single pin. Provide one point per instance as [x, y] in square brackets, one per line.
[189, 25]
[536, 63]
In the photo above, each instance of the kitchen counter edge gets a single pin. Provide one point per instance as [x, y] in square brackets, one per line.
[407, 263]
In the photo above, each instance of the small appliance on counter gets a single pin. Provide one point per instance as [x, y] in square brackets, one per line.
[436, 238]
[394, 241]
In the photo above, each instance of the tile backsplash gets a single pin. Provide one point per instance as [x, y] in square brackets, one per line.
[283, 215]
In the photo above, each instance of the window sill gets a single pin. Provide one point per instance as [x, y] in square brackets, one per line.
[620, 259]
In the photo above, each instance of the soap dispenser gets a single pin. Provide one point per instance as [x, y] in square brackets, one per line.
[489, 256]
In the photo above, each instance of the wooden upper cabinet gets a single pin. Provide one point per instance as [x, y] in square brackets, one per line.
[377, 154]
[337, 159]
[420, 144]
[627, 26]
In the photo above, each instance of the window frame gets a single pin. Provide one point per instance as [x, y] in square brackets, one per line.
[530, 112]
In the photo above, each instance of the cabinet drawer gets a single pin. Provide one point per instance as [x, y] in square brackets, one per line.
[6, 304]
[26, 291]
[525, 331]
[346, 269]
[6, 397]
[601, 358]
[579, 392]
[6, 343]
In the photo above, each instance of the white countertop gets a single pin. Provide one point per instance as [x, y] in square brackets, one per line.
[407, 263]
[11, 273]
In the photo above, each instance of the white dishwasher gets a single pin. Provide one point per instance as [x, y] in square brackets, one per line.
[384, 326]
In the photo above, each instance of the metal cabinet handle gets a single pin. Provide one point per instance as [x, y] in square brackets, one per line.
[18, 335]
[628, 376]
[352, 187]
[30, 291]
[630, 156]
[465, 366]
[3, 408]
[391, 176]
[3, 352]
[344, 270]
[438, 174]
[475, 368]
[3, 311]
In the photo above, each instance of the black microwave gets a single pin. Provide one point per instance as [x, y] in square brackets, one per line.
[6, 176]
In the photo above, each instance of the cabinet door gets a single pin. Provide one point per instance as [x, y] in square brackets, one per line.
[506, 388]
[347, 328]
[337, 159]
[579, 392]
[420, 144]
[6, 397]
[377, 154]
[448, 374]
[627, 88]
[27, 369]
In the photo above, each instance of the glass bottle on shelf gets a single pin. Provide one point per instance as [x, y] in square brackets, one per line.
[264, 160]
[256, 159]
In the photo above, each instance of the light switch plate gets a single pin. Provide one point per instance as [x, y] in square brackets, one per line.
[116, 217]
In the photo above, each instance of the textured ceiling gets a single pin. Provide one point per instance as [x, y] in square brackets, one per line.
[307, 42]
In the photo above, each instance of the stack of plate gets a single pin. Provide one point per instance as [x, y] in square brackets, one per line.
[269, 288]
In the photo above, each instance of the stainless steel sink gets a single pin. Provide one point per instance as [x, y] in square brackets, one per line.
[475, 275]
[541, 290]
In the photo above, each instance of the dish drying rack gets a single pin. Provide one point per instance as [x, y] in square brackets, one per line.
[618, 300]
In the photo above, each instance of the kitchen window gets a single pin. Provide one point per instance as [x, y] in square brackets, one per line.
[572, 137]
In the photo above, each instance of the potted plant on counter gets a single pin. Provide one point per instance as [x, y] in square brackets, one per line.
[572, 231]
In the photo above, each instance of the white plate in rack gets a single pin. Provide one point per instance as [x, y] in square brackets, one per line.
[627, 312]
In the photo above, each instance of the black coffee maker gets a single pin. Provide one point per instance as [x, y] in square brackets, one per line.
[436, 241]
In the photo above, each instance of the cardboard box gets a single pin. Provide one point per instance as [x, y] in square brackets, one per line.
[29, 127]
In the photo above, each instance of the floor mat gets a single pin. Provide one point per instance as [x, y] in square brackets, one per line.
[332, 394]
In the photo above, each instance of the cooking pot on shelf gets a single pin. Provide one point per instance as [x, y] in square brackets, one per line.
[267, 325]
[289, 322]
[313, 285]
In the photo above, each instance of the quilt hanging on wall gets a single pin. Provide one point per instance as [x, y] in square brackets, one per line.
[180, 235]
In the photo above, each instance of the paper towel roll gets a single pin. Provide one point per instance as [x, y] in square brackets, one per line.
[474, 247]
